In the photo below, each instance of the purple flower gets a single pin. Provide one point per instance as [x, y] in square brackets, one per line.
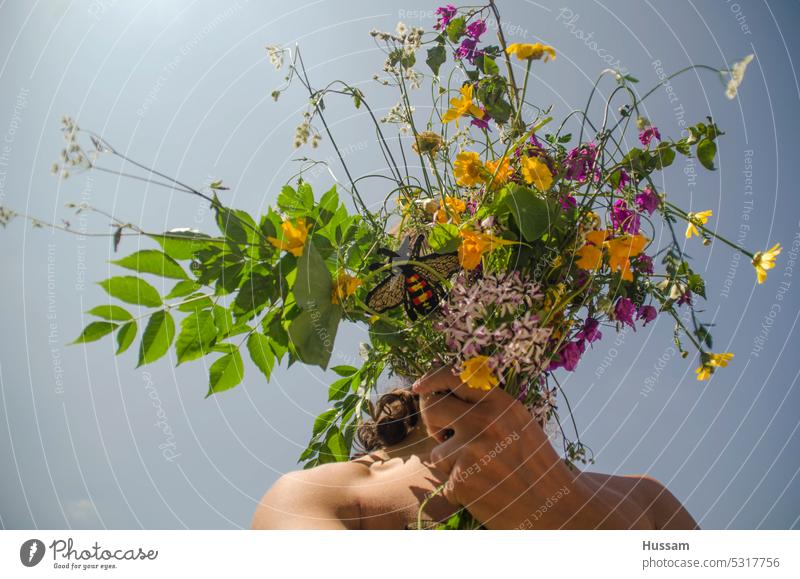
[624, 311]
[568, 357]
[644, 264]
[483, 122]
[647, 200]
[445, 14]
[623, 218]
[476, 29]
[567, 202]
[580, 162]
[624, 179]
[646, 313]
[686, 298]
[590, 331]
[468, 50]
[648, 134]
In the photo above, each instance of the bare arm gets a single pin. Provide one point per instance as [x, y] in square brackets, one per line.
[320, 498]
[666, 510]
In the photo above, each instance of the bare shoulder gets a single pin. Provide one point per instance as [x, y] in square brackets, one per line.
[659, 505]
[317, 498]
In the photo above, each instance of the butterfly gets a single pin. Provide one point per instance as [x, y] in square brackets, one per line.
[410, 284]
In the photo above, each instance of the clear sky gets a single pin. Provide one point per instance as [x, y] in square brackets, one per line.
[87, 440]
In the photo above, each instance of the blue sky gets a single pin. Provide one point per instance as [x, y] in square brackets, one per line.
[89, 441]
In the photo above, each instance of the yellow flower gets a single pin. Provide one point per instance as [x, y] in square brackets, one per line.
[695, 219]
[461, 106]
[468, 169]
[501, 169]
[711, 362]
[621, 249]
[477, 374]
[591, 254]
[427, 142]
[764, 260]
[536, 173]
[536, 51]
[293, 237]
[474, 245]
[704, 372]
[344, 286]
[455, 205]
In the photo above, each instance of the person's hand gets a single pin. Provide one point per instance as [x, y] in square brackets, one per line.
[499, 461]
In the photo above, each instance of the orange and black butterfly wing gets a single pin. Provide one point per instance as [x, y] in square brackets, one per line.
[388, 294]
[445, 264]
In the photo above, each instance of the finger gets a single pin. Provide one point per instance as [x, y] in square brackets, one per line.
[442, 412]
[445, 455]
[443, 379]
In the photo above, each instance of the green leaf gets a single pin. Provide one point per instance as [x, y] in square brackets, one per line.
[132, 290]
[125, 336]
[532, 214]
[182, 243]
[312, 333]
[197, 334]
[323, 421]
[345, 370]
[235, 224]
[296, 202]
[456, 28]
[313, 286]
[261, 353]
[436, 58]
[337, 446]
[255, 292]
[183, 289]
[157, 337]
[338, 389]
[444, 238]
[225, 373]
[111, 312]
[152, 261]
[95, 331]
[706, 150]
[664, 155]
[273, 327]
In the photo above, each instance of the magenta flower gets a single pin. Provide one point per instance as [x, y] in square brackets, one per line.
[568, 202]
[590, 331]
[483, 122]
[580, 162]
[686, 298]
[476, 29]
[623, 218]
[468, 49]
[624, 311]
[568, 357]
[648, 135]
[644, 264]
[646, 313]
[647, 200]
[624, 179]
[445, 13]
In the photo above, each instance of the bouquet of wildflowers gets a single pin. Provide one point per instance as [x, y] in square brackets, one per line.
[498, 240]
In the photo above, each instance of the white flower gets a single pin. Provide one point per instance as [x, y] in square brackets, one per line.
[401, 29]
[737, 76]
[275, 56]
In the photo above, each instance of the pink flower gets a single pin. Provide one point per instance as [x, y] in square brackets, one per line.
[624, 311]
[468, 50]
[580, 162]
[648, 135]
[646, 313]
[567, 202]
[647, 200]
[445, 14]
[623, 218]
[483, 122]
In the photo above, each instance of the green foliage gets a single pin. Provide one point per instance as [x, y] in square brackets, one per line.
[226, 373]
[132, 290]
[152, 261]
[157, 337]
[533, 215]
[94, 331]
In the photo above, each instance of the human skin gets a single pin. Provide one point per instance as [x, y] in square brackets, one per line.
[478, 449]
